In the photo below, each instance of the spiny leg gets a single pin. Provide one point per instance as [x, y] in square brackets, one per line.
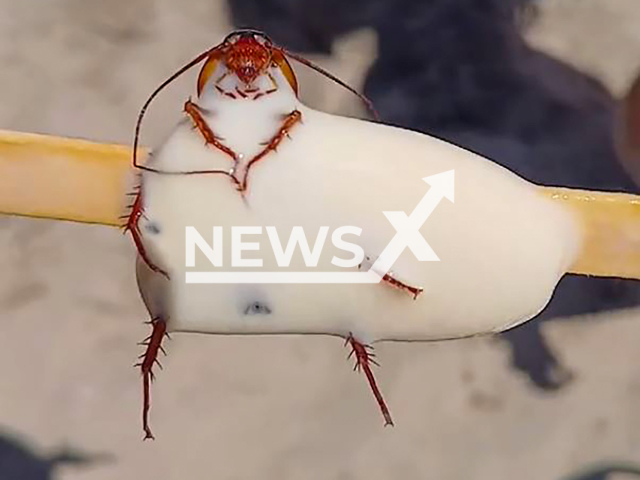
[201, 125]
[289, 121]
[364, 357]
[132, 225]
[150, 357]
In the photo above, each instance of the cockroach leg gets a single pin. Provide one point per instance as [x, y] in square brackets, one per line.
[133, 226]
[222, 77]
[364, 357]
[394, 282]
[201, 125]
[224, 92]
[153, 344]
[391, 280]
[270, 91]
[290, 120]
[262, 94]
[273, 81]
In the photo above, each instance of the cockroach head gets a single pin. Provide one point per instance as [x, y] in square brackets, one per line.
[248, 54]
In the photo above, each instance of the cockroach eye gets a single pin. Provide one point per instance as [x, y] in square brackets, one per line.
[232, 37]
[262, 38]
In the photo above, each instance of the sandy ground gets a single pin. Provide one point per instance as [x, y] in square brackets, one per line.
[599, 37]
[272, 408]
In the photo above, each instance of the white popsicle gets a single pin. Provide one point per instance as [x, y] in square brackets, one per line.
[502, 246]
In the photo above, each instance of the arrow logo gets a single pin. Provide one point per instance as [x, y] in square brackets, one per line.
[408, 227]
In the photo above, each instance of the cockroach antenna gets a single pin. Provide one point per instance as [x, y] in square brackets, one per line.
[155, 93]
[308, 63]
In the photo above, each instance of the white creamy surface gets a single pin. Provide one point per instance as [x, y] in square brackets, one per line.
[503, 247]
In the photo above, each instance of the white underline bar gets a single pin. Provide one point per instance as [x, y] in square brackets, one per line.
[283, 277]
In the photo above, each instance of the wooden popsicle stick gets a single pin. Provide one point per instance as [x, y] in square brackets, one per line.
[611, 224]
[82, 181]
[63, 178]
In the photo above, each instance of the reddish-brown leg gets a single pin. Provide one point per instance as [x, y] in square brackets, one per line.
[389, 279]
[262, 94]
[201, 125]
[270, 91]
[133, 226]
[288, 123]
[241, 93]
[224, 92]
[150, 357]
[394, 282]
[364, 358]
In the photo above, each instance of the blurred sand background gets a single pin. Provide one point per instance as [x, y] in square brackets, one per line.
[264, 408]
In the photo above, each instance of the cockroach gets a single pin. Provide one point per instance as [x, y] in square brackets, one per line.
[499, 252]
